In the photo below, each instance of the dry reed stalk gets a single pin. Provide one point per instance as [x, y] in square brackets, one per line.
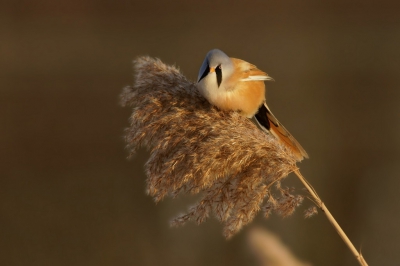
[317, 200]
[196, 148]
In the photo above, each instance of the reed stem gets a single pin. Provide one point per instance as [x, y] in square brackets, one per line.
[331, 219]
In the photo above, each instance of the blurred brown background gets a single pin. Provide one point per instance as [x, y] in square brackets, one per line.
[68, 196]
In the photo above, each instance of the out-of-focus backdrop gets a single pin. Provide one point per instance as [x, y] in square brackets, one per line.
[69, 196]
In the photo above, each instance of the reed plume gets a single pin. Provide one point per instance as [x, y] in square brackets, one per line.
[196, 148]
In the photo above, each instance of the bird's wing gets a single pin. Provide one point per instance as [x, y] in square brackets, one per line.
[269, 123]
[249, 72]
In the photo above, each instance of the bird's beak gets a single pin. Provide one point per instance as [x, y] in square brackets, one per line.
[212, 69]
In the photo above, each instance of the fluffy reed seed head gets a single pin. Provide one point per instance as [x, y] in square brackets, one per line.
[196, 148]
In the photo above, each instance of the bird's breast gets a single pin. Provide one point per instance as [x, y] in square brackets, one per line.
[234, 94]
[243, 96]
[247, 97]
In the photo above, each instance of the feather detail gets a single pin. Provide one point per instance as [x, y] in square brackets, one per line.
[249, 72]
[269, 123]
[253, 78]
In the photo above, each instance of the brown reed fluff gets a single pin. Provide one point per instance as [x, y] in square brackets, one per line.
[196, 148]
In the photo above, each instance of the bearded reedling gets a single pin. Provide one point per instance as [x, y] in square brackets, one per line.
[232, 84]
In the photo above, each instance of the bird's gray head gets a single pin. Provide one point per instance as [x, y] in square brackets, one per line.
[216, 67]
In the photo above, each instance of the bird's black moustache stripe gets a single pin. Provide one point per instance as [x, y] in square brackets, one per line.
[218, 71]
[205, 73]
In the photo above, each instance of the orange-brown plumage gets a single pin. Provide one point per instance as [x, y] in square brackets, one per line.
[281, 133]
[245, 97]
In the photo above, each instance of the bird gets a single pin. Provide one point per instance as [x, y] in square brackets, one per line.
[233, 84]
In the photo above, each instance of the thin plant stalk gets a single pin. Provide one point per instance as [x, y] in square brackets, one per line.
[317, 200]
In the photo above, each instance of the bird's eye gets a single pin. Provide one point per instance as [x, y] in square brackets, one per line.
[218, 71]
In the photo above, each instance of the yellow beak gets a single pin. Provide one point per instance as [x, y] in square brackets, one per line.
[212, 69]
